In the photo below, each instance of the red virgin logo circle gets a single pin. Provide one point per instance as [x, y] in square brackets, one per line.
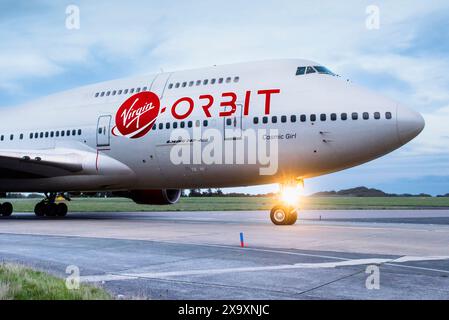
[136, 115]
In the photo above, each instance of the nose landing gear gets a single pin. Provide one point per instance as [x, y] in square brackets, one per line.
[285, 212]
[49, 208]
[283, 215]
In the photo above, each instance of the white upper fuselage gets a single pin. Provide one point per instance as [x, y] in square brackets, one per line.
[321, 144]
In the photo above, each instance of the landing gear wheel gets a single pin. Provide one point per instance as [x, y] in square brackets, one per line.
[283, 215]
[61, 209]
[6, 209]
[39, 209]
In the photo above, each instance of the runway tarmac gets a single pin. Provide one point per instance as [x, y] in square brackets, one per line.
[197, 255]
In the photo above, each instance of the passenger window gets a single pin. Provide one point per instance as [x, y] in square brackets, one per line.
[114, 92]
[131, 90]
[190, 83]
[228, 79]
[1, 138]
[236, 79]
[293, 118]
[52, 134]
[79, 132]
[144, 89]
[265, 119]
[126, 91]
[323, 117]
[41, 135]
[108, 93]
[300, 71]
[31, 136]
[205, 123]
[354, 116]
[120, 92]
[68, 133]
[97, 94]
[138, 90]
[212, 81]
[11, 137]
[21, 136]
[313, 117]
[376, 115]
[310, 70]
[256, 120]
[170, 85]
[220, 81]
[198, 82]
[46, 134]
[182, 124]
[274, 119]
[102, 94]
[205, 81]
[303, 118]
[333, 116]
[36, 135]
[344, 116]
[62, 133]
[161, 126]
[365, 116]
[177, 85]
[154, 127]
[167, 125]
[388, 115]
[74, 132]
[175, 125]
[189, 124]
[57, 133]
[184, 84]
[283, 119]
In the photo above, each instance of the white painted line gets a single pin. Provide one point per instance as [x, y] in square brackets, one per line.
[163, 275]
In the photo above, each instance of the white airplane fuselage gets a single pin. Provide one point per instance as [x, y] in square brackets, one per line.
[96, 156]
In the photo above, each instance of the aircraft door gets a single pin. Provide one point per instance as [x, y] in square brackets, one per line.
[232, 125]
[104, 131]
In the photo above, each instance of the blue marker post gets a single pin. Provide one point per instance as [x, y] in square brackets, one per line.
[242, 243]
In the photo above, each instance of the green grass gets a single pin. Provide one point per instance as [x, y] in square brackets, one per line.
[20, 283]
[241, 203]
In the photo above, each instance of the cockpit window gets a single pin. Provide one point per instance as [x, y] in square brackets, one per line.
[313, 69]
[310, 70]
[324, 70]
[300, 71]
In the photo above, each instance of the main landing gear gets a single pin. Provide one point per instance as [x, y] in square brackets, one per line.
[49, 208]
[6, 209]
[285, 212]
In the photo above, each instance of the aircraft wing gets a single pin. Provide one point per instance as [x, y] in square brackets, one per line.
[29, 164]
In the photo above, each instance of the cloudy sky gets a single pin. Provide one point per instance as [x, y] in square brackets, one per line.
[407, 59]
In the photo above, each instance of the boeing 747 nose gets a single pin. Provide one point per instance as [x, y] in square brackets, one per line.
[409, 124]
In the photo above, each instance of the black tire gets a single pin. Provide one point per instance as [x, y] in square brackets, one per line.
[61, 209]
[283, 215]
[292, 217]
[6, 209]
[39, 209]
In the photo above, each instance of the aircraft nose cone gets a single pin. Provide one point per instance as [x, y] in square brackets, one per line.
[409, 124]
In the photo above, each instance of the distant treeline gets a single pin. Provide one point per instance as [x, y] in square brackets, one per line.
[352, 192]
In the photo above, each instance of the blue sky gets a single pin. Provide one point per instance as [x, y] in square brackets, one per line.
[407, 59]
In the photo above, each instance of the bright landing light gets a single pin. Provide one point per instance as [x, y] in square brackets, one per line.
[291, 195]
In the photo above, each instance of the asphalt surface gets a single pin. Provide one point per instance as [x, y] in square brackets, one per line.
[197, 255]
